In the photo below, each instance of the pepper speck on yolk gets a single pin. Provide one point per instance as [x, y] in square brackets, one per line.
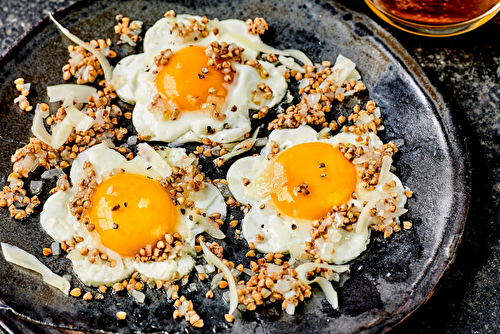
[329, 176]
[183, 83]
[130, 211]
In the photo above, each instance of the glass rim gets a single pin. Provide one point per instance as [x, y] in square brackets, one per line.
[434, 27]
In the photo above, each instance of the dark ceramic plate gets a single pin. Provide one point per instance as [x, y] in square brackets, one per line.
[386, 283]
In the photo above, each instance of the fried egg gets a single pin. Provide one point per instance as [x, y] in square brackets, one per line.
[129, 210]
[295, 191]
[186, 87]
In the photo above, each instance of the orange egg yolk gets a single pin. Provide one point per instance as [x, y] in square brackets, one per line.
[183, 83]
[130, 211]
[305, 181]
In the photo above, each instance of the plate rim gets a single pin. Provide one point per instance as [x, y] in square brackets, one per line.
[448, 125]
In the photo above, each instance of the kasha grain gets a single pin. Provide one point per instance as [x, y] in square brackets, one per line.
[121, 315]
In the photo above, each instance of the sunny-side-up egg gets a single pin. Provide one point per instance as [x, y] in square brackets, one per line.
[178, 98]
[294, 192]
[129, 209]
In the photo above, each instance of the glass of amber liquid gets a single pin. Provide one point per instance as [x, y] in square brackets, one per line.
[435, 17]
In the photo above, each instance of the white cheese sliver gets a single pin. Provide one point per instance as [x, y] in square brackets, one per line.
[61, 132]
[325, 285]
[154, 160]
[80, 93]
[38, 128]
[104, 62]
[83, 122]
[24, 259]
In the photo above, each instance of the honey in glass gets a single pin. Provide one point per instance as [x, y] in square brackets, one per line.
[435, 17]
[436, 12]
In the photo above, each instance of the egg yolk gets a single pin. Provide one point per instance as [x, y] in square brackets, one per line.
[183, 81]
[130, 211]
[305, 181]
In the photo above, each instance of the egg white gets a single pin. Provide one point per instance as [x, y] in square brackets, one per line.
[279, 236]
[135, 84]
[61, 225]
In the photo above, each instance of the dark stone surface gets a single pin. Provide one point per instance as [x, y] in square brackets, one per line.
[465, 70]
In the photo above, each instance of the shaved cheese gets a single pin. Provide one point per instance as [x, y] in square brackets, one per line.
[61, 132]
[38, 128]
[83, 122]
[233, 290]
[69, 100]
[104, 62]
[325, 285]
[24, 259]
[80, 93]
[154, 160]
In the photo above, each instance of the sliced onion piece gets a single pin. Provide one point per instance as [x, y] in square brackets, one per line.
[215, 280]
[138, 296]
[233, 291]
[155, 160]
[61, 132]
[76, 58]
[343, 69]
[127, 39]
[291, 64]
[264, 48]
[80, 93]
[259, 142]
[325, 285]
[312, 99]
[200, 269]
[242, 147]
[83, 122]
[297, 54]
[43, 114]
[104, 62]
[38, 128]
[24, 259]
[209, 227]
[365, 119]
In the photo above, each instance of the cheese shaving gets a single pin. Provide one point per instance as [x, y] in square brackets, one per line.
[104, 62]
[155, 160]
[233, 290]
[80, 93]
[38, 128]
[26, 260]
[325, 285]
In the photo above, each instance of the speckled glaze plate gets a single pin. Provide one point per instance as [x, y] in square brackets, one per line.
[386, 283]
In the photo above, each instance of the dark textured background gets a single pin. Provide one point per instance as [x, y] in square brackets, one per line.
[465, 70]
